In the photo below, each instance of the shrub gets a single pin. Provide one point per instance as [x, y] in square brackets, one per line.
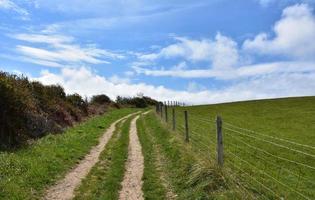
[77, 101]
[100, 99]
[15, 105]
[31, 110]
[139, 102]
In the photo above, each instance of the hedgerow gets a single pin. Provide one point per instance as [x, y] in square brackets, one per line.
[29, 109]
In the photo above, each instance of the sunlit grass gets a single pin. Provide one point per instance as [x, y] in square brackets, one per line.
[25, 173]
[276, 160]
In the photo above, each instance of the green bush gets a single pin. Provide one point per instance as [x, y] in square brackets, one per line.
[139, 102]
[31, 110]
[16, 104]
[100, 99]
[77, 101]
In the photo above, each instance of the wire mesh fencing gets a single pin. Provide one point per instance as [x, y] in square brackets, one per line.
[260, 165]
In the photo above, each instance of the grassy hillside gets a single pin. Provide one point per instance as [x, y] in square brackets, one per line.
[269, 145]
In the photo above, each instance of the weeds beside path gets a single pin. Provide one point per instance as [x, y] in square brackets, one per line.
[183, 172]
[26, 173]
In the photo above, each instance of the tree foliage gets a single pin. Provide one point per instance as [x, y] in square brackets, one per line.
[139, 102]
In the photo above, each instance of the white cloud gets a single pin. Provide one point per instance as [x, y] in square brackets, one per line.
[10, 5]
[294, 35]
[237, 73]
[195, 87]
[61, 50]
[117, 79]
[215, 51]
[86, 82]
[42, 38]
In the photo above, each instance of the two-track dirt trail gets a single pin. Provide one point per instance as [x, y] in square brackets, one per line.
[64, 189]
[132, 183]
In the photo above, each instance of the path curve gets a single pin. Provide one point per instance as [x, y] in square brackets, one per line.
[64, 189]
[132, 183]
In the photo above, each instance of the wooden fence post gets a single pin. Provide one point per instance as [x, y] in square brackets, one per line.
[174, 122]
[219, 141]
[161, 113]
[166, 116]
[186, 126]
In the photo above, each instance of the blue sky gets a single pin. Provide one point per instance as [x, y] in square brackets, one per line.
[191, 51]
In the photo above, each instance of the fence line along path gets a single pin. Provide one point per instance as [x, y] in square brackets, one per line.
[275, 167]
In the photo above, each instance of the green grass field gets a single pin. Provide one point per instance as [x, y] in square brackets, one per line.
[269, 153]
[25, 173]
[269, 145]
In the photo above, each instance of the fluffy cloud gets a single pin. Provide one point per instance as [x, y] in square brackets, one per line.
[60, 51]
[294, 35]
[86, 82]
[229, 74]
[294, 38]
[215, 51]
[9, 5]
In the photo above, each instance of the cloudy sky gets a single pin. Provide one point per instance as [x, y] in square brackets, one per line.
[204, 51]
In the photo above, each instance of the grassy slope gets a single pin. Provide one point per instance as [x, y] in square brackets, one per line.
[291, 118]
[103, 182]
[188, 177]
[25, 173]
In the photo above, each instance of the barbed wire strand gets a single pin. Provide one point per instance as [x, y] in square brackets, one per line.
[263, 172]
[242, 185]
[251, 177]
[278, 157]
[273, 137]
[273, 143]
[276, 165]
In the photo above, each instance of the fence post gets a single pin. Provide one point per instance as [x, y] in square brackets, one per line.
[174, 122]
[166, 117]
[161, 113]
[186, 126]
[219, 141]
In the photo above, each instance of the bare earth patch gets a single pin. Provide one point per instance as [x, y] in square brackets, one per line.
[132, 183]
[64, 189]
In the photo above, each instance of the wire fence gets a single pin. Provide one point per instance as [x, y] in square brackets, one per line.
[260, 165]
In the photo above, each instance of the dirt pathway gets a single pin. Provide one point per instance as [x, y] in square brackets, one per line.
[132, 183]
[64, 189]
